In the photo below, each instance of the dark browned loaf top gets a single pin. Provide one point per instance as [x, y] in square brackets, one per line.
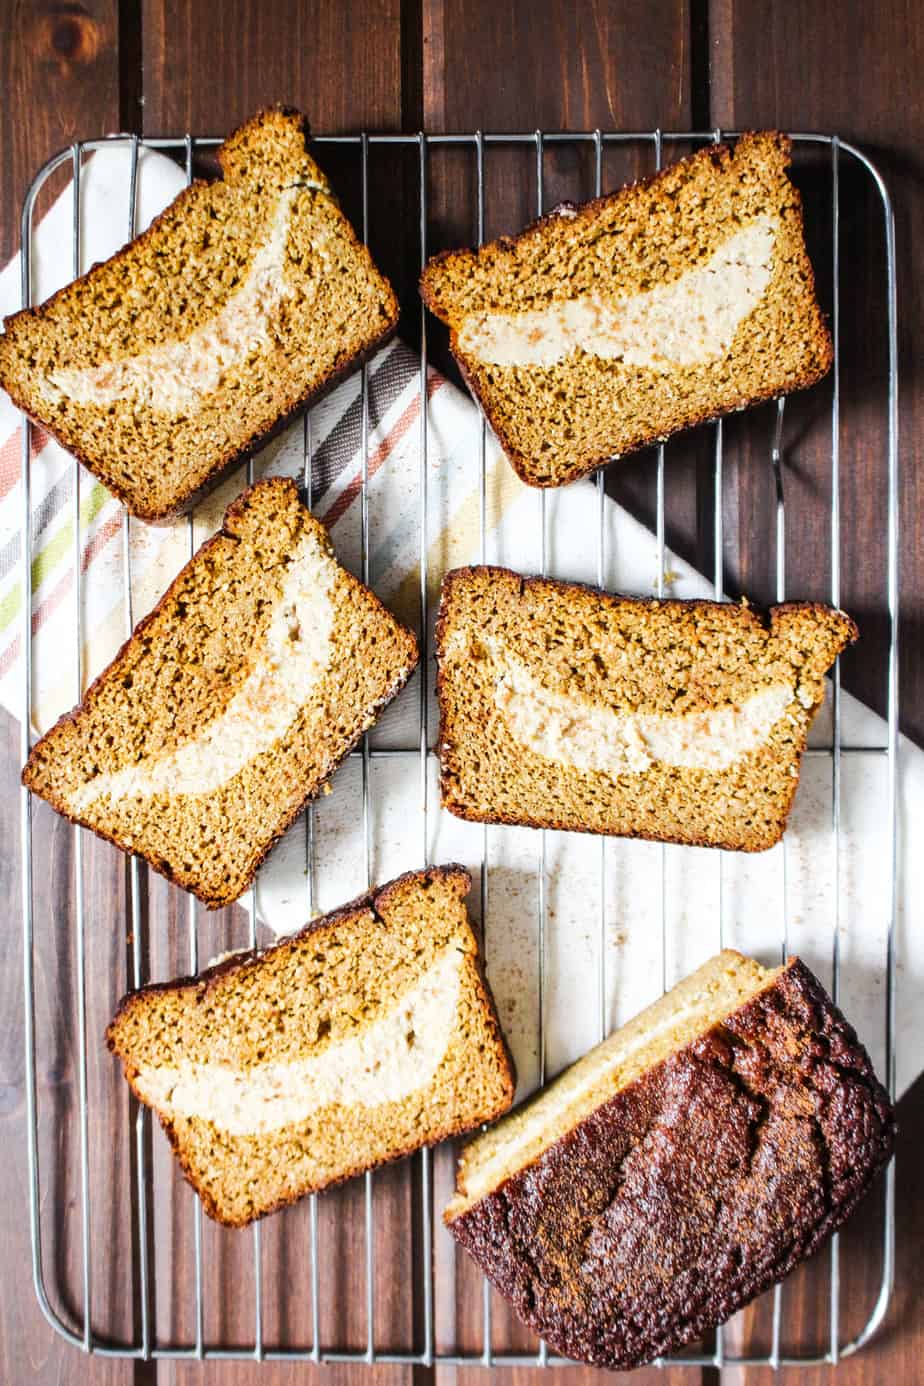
[682, 721]
[368, 1034]
[691, 1189]
[246, 298]
[612, 324]
[232, 703]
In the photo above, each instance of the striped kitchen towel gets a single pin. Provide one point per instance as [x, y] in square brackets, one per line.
[78, 563]
[431, 505]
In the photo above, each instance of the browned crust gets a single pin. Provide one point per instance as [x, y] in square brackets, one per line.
[739, 1110]
[157, 864]
[186, 499]
[202, 982]
[586, 211]
[463, 811]
[370, 900]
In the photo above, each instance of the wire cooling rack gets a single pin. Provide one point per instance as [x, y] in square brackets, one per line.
[101, 1237]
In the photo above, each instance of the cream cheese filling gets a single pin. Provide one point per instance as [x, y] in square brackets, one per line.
[172, 378]
[687, 322]
[395, 1056]
[291, 660]
[588, 736]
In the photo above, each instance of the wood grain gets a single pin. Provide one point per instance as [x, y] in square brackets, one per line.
[74, 51]
[861, 81]
[71, 70]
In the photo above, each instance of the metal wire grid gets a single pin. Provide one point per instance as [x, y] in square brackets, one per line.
[146, 1346]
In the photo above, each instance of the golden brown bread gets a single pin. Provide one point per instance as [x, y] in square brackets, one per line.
[682, 721]
[185, 351]
[370, 1033]
[695, 296]
[232, 703]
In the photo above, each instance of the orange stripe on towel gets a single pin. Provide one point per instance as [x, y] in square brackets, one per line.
[11, 456]
[388, 444]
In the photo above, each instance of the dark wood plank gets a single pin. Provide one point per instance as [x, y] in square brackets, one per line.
[513, 67]
[455, 66]
[861, 81]
[340, 65]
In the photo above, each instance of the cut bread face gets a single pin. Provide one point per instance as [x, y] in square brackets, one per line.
[610, 325]
[232, 703]
[679, 1018]
[680, 721]
[369, 1034]
[245, 299]
[679, 1169]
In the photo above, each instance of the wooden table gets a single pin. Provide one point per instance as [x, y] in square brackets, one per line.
[165, 66]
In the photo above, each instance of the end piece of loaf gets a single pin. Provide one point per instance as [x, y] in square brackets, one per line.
[610, 325]
[232, 703]
[679, 1169]
[183, 353]
[681, 721]
[367, 1035]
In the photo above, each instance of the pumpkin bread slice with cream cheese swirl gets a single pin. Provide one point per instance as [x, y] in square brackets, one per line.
[370, 1033]
[682, 721]
[248, 297]
[232, 703]
[610, 324]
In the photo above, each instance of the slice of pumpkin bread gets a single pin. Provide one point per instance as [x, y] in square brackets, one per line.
[679, 1169]
[609, 325]
[245, 299]
[232, 703]
[683, 721]
[367, 1035]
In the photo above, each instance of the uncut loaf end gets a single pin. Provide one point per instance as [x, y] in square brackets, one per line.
[680, 1168]
[246, 298]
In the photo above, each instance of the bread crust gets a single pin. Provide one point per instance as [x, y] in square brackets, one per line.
[205, 980]
[521, 462]
[460, 809]
[701, 1184]
[162, 867]
[231, 457]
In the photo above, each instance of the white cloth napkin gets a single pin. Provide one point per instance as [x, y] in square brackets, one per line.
[634, 914]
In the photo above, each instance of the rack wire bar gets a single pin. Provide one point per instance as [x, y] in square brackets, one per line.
[78, 1329]
[310, 893]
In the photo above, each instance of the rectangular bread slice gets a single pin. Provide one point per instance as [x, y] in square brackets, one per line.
[183, 353]
[682, 721]
[232, 703]
[367, 1035]
[680, 1168]
[612, 324]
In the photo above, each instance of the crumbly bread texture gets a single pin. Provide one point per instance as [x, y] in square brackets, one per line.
[558, 421]
[182, 354]
[683, 721]
[231, 704]
[679, 1169]
[282, 1015]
